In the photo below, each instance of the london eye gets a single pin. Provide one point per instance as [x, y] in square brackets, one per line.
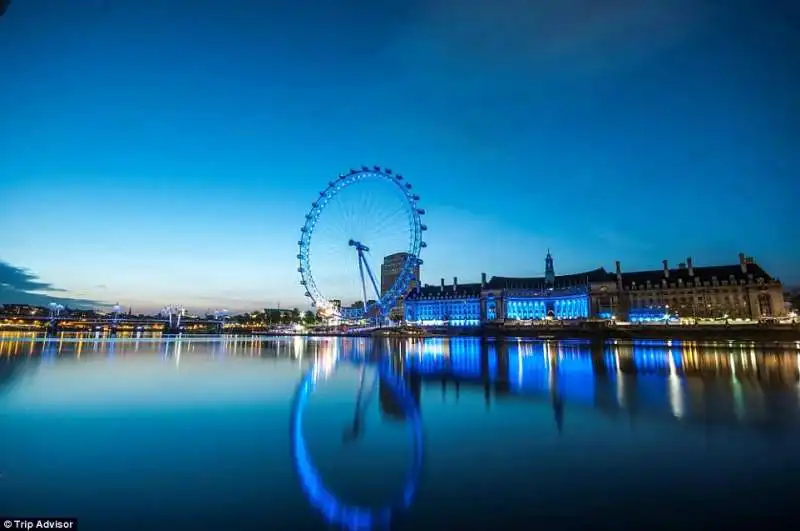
[358, 219]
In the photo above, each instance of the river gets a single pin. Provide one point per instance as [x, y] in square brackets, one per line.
[462, 433]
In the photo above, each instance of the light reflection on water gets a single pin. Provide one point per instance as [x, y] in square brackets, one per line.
[519, 423]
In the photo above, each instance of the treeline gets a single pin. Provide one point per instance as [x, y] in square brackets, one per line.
[274, 317]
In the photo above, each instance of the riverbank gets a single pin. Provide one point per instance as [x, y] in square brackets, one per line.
[595, 331]
[677, 332]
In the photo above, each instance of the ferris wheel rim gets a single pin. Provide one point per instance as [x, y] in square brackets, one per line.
[416, 228]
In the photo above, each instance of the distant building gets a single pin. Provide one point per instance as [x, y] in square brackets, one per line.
[23, 309]
[744, 290]
[391, 268]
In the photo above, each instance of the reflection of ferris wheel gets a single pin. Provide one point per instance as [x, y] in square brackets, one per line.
[370, 212]
[334, 510]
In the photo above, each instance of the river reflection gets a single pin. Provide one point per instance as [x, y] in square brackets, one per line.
[517, 424]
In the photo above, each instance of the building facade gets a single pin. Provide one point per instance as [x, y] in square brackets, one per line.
[743, 291]
[739, 291]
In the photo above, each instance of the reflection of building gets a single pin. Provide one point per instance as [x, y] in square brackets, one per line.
[703, 383]
[390, 405]
[744, 290]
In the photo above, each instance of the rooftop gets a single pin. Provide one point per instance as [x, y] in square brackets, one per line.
[561, 281]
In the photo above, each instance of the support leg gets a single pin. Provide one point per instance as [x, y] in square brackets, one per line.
[372, 280]
[363, 281]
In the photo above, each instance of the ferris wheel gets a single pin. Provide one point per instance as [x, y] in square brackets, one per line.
[360, 218]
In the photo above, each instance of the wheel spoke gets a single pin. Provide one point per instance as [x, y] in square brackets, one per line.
[371, 207]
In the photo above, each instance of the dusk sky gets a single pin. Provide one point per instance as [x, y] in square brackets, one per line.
[167, 151]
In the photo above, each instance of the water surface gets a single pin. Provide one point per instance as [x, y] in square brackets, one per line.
[196, 433]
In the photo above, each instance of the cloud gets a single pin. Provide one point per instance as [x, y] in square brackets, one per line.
[20, 286]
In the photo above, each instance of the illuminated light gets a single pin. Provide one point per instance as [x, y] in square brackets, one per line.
[675, 388]
[333, 510]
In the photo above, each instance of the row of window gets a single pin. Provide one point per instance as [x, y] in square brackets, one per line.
[514, 309]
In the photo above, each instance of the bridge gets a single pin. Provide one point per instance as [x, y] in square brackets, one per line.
[171, 319]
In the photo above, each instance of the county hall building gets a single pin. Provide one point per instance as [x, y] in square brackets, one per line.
[738, 291]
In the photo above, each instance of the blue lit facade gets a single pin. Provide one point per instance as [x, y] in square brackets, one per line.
[455, 305]
[350, 313]
[445, 306]
[649, 315]
[566, 297]
[571, 303]
[640, 297]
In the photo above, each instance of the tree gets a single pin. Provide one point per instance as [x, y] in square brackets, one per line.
[309, 318]
[295, 315]
[273, 316]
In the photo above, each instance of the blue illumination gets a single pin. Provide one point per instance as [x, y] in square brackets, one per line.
[386, 300]
[460, 357]
[647, 354]
[528, 367]
[492, 361]
[536, 366]
[491, 308]
[49, 350]
[576, 380]
[333, 510]
[465, 356]
[464, 311]
[538, 307]
[351, 314]
[656, 355]
[611, 360]
[650, 315]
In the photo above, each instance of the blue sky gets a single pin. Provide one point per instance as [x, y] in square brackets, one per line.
[166, 151]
